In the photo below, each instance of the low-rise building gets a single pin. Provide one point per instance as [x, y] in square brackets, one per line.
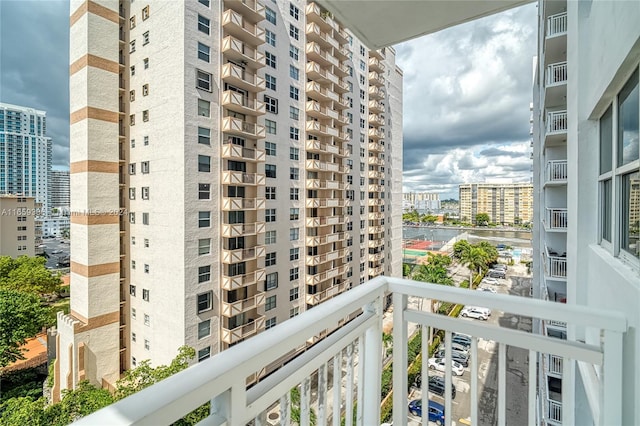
[17, 226]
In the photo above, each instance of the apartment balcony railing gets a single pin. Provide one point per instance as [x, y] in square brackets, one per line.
[556, 219]
[243, 104]
[341, 87]
[242, 203]
[333, 291]
[231, 309]
[376, 147]
[233, 151]
[376, 133]
[316, 72]
[241, 255]
[557, 171]
[234, 24]
[239, 127]
[251, 10]
[557, 74]
[315, 89]
[232, 177]
[314, 127]
[314, 33]
[377, 54]
[242, 78]
[555, 265]
[326, 275]
[376, 79]
[240, 51]
[315, 53]
[557, 122]
[351, 355]
[325, 221]
[324, 184]
[374, 272]
[375, 106]
[376, 161]
[326, 239]
[554, 365]
[376, 65]
[236, 334]
[374, 174]
[376, 120]
[315, 109]
[230, 230]
[237, 281]
[323, 165]
[324, 202]
[557, 24]
[375, 243]
[375, 93]
[324, 258]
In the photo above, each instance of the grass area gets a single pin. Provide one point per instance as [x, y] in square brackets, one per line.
[60, 305]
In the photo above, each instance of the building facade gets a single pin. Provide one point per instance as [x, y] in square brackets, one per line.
[505, 203]
[25, 153]
[586, 179]
[272, 193]
[17, 226]
[59, 189]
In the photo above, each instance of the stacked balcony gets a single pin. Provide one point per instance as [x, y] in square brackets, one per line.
[326, 52]
[242, 185]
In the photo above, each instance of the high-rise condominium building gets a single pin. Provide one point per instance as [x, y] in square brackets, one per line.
[25, 153]
[587, 180]
[255, 151]
[505, 203]
[59, 189]
[17, 226]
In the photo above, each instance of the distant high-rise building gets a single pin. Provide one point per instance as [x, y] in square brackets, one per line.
[505, 203]
[256, 148]
[17, 226]
[59, 189]
[25, 154]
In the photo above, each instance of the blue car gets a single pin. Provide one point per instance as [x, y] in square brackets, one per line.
[436, 411]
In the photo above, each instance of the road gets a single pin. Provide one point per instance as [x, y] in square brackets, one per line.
[53, 245]
[517, 283]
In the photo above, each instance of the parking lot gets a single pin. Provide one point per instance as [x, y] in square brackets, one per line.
[516, 283]
[55, 248]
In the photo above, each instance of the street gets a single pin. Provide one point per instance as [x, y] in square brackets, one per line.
[55, 248]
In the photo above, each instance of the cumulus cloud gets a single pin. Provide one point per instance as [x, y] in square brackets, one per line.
[467, 91]
[34, 64]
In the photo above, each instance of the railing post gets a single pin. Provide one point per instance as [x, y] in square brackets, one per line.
[611, 388]
[400, 408]
[371, 356]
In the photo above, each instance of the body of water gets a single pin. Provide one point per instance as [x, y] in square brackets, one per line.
[494, 236]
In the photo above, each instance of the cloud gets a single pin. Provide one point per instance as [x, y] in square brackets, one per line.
[34, 64]
[467, 91]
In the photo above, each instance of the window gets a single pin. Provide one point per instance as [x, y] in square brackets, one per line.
[294, 72]
[628, 122]
[270, 59]
[270, 259]
[204, 52]
[132, 217]
[270, 303]
[294, 254]
[147, 319]
[133, 313]
[204, 353]
[145, 38]
[132, 193]
[132, 46]
[204, 2]
[133, 143]
[270, 237]
[271, 104]
[294, 52]
[132, 290]
[204, 302]
[145, 13]
[145, 192]
[294, 213]
[132, 22]
[270, 15]
[294, 194]
[204, 191]
[204, 246]
[145, 220]
[132, 95]
[204, 329]
[294, 32]
[204, 108]
[204, 219]
[145, 115]
[294, 11]
[270, 192]
[144, 167]
[146, 243]
[270, 148]
[270, 81]
[204, 163]
[294, 133]
[294, 234]
[294, 293]
[363, 66]
[294, 93]
[271, 281]
[294, 113]
[133, 337]
[145, 90]
[145, 62]
[132, 120]
[294, 273]
[270, 38]
[294, 153]
[204, 274]
[203, 80]
[294, 312]
[145, 294]
[133, 70]
[203, 24]
[133, 361]
[270, 215]
[270, 170]
[204, 135]
[294, 173]
[270, 126]
[269, 323]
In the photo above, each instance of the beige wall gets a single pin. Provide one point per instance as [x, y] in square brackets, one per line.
[15, 213]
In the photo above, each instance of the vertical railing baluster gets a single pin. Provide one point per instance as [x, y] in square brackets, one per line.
[400, 408]
[424, 387]
[448, 373]
[531, 400]
[502, 384]
[285, 410]
[349, 387]
[611, 388]
[360, 380]
[371, 358]
[305, 406]
[337, 388]
[260, 419]
[322, 394]
[474, 381]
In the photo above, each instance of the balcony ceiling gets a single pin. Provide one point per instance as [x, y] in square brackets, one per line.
[384, 23]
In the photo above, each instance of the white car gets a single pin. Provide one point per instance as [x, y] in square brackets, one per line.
[474, 312]
[439, 364]
[491, 281]
[489, 289]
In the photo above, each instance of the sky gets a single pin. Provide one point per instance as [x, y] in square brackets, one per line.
[467, 91]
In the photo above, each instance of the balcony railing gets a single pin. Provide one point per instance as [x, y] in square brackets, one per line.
[555, 265]
[557, 171]
[557, 24]
[557, 73]
[351, 355]
[556, 218]
[557, 122]
[554, 365]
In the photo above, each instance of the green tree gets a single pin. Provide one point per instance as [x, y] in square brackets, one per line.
[490, 250]
[482, 219]
[27, 274]
[460, 248]
[82, 401]
[21, 317]
[406, 269]
[296, 409]
[23, 411]
[475, 259]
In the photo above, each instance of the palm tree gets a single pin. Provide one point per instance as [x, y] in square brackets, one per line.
[435, 271]
[474, 258]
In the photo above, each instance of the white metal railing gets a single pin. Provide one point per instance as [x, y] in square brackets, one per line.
[554, 365]
[556, 170]
[557, 24]
[557, 73]
[554, 412]
[557, 267]
[351, 355]
[557, 218]
[557, 122]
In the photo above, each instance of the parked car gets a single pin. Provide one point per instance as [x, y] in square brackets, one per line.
[439, 364]
[491, 281]
[436, 385]
[457, 356]
[487, 289]
[436, 411]
[461, 339]
[463, 348]
[56, 252]
[473, 312]
[494, 273]
[500, 267]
